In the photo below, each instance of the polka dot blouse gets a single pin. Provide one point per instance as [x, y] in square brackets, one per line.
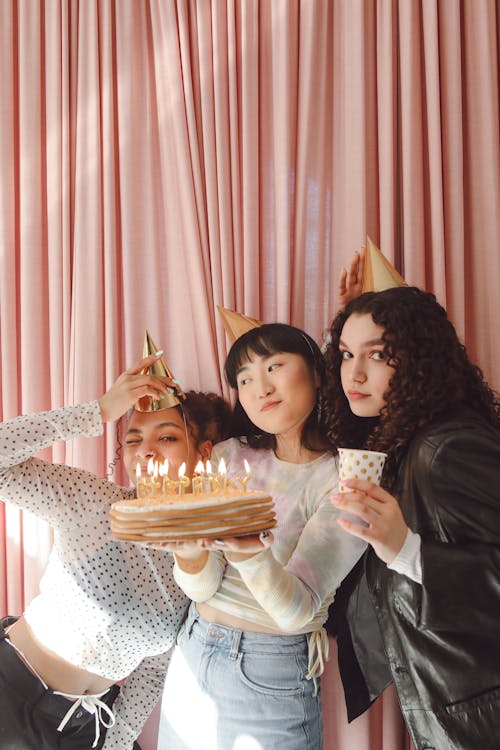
[107, 606]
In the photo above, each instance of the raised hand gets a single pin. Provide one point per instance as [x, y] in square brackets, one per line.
[351, 279]
[384, 526]
[130, 386]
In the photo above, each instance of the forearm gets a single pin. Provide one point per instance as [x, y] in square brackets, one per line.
[24, 436]
[135, 702]
[200, 585]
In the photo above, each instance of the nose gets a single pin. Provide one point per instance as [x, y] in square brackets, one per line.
[145, 451]
[358, 374]
[265, 387]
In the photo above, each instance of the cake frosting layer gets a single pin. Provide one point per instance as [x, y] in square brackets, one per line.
[192, 516]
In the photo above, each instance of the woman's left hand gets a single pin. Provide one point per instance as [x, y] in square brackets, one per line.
[385, 527]
[237, 548]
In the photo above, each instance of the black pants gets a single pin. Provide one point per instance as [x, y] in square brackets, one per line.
[30, 713]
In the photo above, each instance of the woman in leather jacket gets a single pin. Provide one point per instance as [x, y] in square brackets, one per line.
[423, 606]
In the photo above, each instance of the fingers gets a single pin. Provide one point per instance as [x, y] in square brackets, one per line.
[361, 263]
[368, 488]
[142, 364]
[342, 288]
[352, 271]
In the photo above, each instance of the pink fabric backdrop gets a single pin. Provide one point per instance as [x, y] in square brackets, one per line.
[159, 157]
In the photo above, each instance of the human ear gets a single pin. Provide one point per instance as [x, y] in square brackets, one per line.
[205, 449]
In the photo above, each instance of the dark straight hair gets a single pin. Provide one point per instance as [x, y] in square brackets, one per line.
[264, 341]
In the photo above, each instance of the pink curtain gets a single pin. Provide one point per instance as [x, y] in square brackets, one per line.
[159, 157]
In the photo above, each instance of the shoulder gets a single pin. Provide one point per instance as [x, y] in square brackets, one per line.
[236, 449]
[454, 468]
[462, 435]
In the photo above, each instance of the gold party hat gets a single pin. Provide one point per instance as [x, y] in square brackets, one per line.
[160, 367]
[236, 324]
[379, 273]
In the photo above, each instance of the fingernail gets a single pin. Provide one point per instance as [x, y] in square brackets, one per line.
[174, 380]
[170, 389]
[220, 542]
[159, 352]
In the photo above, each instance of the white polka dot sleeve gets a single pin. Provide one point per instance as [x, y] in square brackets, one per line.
[136, 700]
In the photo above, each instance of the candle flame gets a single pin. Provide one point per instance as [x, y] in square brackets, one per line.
[247, 466]
[222, 466]
[164, 468]
[199, 468]
[151, 467]
[209, 467]
[182, 470]
[138, 471]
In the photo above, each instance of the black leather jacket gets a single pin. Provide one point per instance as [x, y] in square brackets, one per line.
[439, 641]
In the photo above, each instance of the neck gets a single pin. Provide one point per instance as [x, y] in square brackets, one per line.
[290, 448]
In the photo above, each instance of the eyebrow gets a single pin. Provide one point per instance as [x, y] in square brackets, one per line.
[248, 362]
[137, 431]
[370, 342]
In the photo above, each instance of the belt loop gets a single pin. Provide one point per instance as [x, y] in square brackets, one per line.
[235, 644]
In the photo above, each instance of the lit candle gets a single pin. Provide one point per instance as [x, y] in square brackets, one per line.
[243, 480]
[140, 481]
[210, 481]
[198, 481]
[183, 481]
[222, 474]
[167, 485]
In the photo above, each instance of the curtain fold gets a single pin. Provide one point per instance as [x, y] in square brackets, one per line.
[160, 157]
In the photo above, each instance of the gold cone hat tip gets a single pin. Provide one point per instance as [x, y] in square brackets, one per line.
[379, 274]
[235, 323]
[160, 367]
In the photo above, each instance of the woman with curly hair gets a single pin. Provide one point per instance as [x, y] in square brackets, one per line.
[107, 609]
[422, 608]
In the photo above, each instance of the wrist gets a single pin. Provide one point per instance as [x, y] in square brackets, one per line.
[193, 562]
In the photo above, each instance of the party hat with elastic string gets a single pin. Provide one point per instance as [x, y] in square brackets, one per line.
[236, 324]
[379, 274]
[160, 367]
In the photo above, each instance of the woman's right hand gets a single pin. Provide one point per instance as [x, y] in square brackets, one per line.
[351, 279]
[132, 385]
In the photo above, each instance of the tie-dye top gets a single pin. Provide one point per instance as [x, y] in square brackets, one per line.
[288, 587]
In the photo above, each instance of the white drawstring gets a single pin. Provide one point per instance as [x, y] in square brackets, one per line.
[91, 703]
[94, 705]
[319, 651]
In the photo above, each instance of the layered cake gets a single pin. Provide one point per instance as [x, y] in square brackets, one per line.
[228, 512]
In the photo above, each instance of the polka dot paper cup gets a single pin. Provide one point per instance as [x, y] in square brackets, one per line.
[359, 464]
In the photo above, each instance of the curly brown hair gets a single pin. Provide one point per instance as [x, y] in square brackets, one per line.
[432, 374]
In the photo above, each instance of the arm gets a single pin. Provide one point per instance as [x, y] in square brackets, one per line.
[293, 594]
[51, 490]
[136, 701]
[461, 563]
[200, 583]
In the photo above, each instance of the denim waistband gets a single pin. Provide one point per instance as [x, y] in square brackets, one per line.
[242, 640]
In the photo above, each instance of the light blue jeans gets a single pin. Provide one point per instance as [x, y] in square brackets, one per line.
[233, 690]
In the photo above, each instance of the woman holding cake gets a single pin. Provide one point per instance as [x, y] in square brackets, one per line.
[252, 647]
[427, 593]
[106, 609]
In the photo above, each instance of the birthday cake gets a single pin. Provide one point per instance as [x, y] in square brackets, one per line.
[228, 512]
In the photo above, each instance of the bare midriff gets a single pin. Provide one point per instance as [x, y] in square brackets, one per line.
[211, 614]
[59, 674]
